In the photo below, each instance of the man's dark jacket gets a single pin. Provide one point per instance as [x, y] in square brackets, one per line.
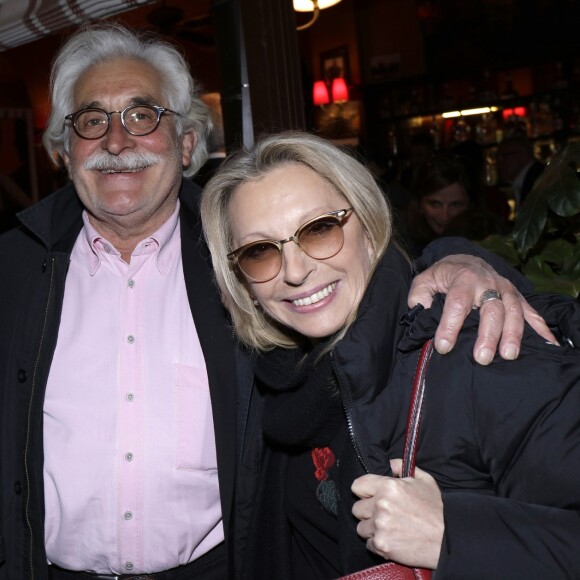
[34, 261]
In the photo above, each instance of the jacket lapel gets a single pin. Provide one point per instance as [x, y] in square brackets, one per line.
[217, 342]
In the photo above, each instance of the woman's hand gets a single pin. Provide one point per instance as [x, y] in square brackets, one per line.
[464, 278]
[401, 519]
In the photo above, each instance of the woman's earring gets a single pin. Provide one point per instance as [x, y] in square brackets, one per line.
[256, 303]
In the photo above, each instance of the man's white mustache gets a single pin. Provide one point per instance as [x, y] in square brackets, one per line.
[103, 161]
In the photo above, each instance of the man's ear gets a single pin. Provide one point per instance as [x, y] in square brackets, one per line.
[188, 143]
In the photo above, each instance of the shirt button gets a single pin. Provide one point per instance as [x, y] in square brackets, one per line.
[130, 339]
[129, 566]
[22, 376]
[129, 456]
[128, 515]
[130, 397]
[131, 283]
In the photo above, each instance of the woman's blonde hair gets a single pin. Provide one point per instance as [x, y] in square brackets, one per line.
[348, 177]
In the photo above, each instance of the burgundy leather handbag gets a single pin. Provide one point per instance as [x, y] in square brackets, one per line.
[392, 570]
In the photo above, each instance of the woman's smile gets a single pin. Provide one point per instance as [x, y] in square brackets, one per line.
[315, 297]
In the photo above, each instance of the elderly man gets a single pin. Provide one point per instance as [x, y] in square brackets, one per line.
[124, 397]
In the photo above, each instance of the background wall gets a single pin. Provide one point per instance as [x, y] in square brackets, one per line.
[399, 53]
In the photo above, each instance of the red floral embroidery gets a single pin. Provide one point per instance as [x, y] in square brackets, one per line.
[323, 459]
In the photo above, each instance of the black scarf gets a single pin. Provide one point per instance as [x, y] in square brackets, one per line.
[303, 406]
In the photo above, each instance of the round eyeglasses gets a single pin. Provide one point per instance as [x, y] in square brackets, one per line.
[138, 120]
[320, 238]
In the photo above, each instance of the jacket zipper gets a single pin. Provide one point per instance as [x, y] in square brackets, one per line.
[29, 421]
[345, 394]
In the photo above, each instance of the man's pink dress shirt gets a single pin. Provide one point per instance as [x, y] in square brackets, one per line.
[130, 465]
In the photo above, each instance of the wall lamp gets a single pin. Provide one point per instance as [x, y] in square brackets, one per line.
[314, 6]
[338, 91]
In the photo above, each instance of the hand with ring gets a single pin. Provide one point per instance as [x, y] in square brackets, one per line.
[471, 282]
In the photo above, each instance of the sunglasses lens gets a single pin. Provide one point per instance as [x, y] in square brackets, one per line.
[322, 238]
[261, 261]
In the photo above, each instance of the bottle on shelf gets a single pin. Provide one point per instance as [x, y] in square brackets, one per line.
[485, 129]
[435, 131]
[461, 130]
[491, 175]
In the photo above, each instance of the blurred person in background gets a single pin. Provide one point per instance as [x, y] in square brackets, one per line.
[441, 192]
[518, 166]
[489, 198]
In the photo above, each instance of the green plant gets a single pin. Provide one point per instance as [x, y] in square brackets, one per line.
[545, 242]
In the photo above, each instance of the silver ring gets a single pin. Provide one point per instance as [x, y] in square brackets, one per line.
[489, 295]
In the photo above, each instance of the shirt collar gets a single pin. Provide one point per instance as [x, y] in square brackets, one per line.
[162, 243]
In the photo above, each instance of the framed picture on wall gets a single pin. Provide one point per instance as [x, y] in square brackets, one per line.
[334, 64]
[385, 66]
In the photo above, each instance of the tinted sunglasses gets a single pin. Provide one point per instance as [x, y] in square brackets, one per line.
[320, 238]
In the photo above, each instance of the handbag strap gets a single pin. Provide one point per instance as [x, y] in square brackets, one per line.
[415, 410]
[392, 570]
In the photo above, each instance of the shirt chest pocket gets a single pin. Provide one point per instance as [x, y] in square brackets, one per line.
[195, 447]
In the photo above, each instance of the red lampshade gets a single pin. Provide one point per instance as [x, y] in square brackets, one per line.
[339, 90]
[507, 113]
[517, 112]
[320, 93]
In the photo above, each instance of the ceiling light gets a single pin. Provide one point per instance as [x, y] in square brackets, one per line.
[314, 6]
[309, 5]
